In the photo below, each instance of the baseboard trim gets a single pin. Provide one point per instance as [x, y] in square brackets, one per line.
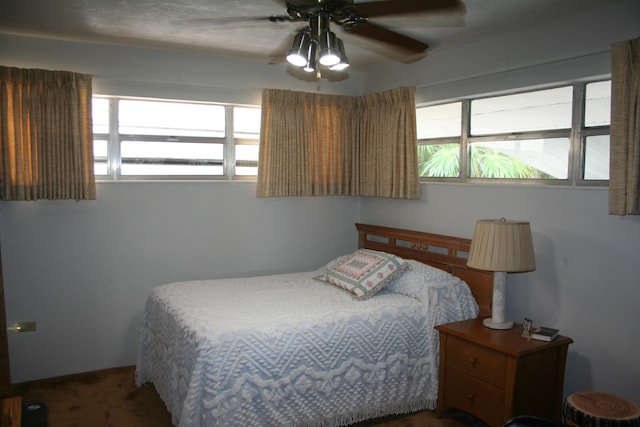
[83, 377]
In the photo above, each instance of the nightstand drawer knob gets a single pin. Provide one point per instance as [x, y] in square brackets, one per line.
[473, 361]
[470, 397]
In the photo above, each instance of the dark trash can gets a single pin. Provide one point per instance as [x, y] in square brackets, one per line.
[34, 414]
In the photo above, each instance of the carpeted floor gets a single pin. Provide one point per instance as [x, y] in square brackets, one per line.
[110, 398]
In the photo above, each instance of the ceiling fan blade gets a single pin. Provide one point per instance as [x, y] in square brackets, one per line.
[399, 7]
[301, 3]
[389, 43]
[232, 20]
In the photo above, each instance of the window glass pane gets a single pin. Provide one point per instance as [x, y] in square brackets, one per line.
[100, 115]
[596, 157]
[597, 110]
[531, 111]
[247, 159]
[100, 168]
[246, 170]
[439, 121]
[171, 158]
[522, 159]
[100, 148]
[100, 157]
[170, 118]
[246, 122]
[439, 160]
[146, 169]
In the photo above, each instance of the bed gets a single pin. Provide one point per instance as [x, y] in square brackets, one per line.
[306, 349]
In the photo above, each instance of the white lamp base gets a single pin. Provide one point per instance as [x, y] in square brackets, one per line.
[489, 323]
[498, 303]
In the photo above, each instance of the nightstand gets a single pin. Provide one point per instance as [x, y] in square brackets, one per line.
[497, 374]
[11, 411]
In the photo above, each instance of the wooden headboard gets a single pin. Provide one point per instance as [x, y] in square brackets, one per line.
[444, 252]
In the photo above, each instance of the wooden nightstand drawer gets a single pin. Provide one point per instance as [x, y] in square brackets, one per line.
[476, 361]
[497, 374]
[484, 400]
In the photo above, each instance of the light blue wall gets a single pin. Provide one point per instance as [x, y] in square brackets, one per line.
[137, 235]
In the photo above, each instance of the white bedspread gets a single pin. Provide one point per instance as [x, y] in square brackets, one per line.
[290, 350]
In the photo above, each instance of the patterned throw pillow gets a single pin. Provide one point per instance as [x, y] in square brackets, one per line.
[365, 272]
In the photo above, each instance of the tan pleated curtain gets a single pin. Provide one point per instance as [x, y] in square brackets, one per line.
[46, 137]
[388, 146]
[624, 169]
[307, 145]
[328, 145]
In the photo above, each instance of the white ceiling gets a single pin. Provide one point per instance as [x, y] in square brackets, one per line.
[169, 24]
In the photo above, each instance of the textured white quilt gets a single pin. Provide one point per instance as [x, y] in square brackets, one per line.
[290, 350]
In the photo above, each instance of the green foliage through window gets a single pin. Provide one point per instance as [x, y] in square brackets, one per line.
[443, 161]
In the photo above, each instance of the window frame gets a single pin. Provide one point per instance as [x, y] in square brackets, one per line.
[228, 162]
[577, 135]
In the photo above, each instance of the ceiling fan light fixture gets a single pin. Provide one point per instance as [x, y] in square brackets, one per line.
[299, 49]
[344, 61]
[329, 51]
[339, 66]
[312, 59]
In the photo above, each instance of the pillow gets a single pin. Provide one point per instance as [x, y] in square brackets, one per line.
[365, 272]
[332, 264]
[418, 278]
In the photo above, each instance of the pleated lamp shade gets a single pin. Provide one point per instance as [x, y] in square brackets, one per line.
[502, 245]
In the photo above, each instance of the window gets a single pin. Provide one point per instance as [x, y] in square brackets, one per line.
[246, 126]
[157, 139]
[556, 135]
[597, 113]
[522, 112]
[439, 131]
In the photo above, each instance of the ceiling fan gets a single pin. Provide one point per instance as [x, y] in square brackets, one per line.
[315, 45]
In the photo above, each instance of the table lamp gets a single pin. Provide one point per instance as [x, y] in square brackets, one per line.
[502, 246]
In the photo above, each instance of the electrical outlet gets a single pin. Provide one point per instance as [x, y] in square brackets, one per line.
[30, 326]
